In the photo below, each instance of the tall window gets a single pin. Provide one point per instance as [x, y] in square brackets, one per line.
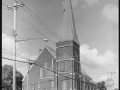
[38, 85]
[50, 72]
[61, 66]
[45, 69]
[67, 65]
[41, 72]
[64, 85]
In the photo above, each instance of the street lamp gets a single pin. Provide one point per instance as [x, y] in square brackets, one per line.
[26, 39]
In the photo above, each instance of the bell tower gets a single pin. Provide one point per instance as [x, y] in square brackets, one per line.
[67, 52]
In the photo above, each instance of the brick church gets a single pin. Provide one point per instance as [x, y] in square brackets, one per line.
[60, 69]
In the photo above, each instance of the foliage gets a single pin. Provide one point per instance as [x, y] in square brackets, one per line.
[101, 85]
[7, 78]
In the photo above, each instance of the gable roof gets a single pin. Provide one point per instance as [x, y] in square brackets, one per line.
[52, 51]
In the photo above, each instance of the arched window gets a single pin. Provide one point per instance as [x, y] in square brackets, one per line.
[41, 72]
[64, 85]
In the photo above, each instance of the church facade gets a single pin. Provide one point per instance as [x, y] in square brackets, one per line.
[60, 69]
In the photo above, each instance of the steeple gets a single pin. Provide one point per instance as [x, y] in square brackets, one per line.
[68, 30]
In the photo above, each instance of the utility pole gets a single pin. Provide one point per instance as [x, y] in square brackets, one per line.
[28, 75]
[14, 7]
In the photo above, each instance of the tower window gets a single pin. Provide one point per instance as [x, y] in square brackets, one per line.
[67, 65]
[64, 85]
[61, 66]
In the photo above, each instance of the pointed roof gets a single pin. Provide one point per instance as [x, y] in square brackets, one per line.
[86, 75]
[67, 30]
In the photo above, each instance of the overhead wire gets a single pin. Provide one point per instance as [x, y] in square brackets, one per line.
[93, 63]
[89, 65]
[21, 37]
[26, 21]
[40, 66]
[48, 28]
[6, 18]
[7, 36]
[34, 28]
[92, 66]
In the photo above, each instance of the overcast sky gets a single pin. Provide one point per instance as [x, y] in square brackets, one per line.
[96, 24]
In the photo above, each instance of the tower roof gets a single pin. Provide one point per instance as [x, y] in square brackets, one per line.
[68, 30]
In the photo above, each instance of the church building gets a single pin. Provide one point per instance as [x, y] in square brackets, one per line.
[60, 69]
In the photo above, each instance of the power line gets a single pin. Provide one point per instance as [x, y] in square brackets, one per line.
[35, 29]
[4, 4]
[33, 60]
[91, 63]
[7, 36]
[48, 28]
[41, 24]
[38, 65]
[16, 54]
[21, 37]
[29, 24]
[78, 62]
[13, 55]
[92, 67]
[94, 63]
[28, 42]
[7, 17]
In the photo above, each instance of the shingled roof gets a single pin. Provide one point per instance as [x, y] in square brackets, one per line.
[68, 30]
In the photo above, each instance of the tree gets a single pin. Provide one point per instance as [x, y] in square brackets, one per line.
[7, 78]
[101, 85]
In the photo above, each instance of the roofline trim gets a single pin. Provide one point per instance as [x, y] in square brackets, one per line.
[51, 52]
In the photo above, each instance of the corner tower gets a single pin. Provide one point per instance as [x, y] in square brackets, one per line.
[67, 52]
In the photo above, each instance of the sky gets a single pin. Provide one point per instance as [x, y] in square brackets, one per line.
[96, 23]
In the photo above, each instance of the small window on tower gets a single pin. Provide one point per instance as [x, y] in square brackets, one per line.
[61, 66]
[67, 65]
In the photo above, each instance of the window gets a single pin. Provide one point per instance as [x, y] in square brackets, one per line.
[64, 85]
[38, 85]
[61, 66]
[67, 65]
[50, 72]
[45, 69]
[41, 72]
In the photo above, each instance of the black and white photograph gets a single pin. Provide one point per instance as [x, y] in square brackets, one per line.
[60, 45]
